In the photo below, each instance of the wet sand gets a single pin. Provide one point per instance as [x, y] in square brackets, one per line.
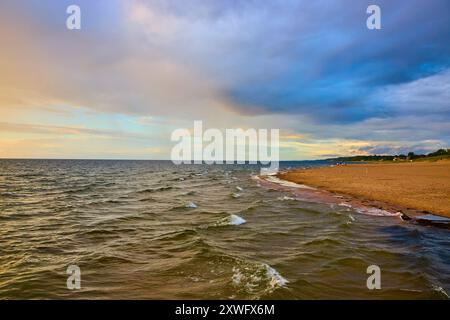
[421, 186]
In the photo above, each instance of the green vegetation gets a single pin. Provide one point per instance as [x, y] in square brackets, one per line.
[411, 156]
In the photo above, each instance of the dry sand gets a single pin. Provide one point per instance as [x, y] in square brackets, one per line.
[423, 186]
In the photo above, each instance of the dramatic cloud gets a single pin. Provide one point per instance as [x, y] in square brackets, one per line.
[310, 68]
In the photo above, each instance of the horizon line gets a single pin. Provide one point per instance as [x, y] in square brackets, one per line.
[124, 159]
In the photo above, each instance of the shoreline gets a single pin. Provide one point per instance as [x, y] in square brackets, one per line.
[416, 188]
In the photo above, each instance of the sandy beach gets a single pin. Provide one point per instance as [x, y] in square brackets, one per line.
[423, 186]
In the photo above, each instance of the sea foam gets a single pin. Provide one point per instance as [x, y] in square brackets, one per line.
[191, 205]
[286, 183]
[235, 220]
[276, 279]
[231, 220]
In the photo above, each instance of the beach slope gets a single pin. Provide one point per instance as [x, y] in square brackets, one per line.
[423, 186]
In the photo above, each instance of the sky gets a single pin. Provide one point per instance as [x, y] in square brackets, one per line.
[137, 70]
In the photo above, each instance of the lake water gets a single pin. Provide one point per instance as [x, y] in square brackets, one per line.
[153, 230]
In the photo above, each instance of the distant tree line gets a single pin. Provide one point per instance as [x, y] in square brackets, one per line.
[400, 157]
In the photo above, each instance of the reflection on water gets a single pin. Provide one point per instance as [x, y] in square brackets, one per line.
[152, 230]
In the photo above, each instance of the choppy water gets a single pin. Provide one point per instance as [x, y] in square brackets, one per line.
[153, 230]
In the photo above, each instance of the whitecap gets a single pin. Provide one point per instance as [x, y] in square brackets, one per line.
[235, 220]
[286, 183]
[378, 212]
[285, 198]
[236, 195]
[231, 220]
[236, 278]
[343, 204]
[276, 279]
[239, 188]
[191, 205]
[257, 278]
[440, 290]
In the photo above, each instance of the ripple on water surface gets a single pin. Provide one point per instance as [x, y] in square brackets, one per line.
[150, 229]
